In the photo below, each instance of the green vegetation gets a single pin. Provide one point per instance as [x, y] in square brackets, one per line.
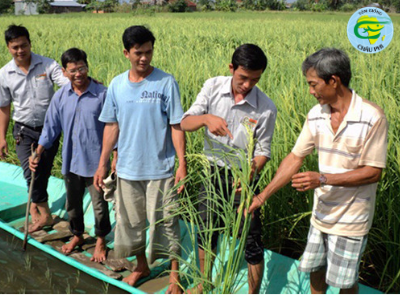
[6, 6]
[194, 47]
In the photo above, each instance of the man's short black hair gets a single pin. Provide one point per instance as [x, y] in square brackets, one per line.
[327, 62]
[16, 31]
[249, 57]
[137, 35]
[73, 55]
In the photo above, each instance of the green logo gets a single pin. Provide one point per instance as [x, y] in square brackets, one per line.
[370, 30]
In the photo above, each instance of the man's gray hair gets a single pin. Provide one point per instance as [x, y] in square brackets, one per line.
[327, 62]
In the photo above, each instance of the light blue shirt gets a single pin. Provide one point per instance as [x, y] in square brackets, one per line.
[145, 112]
[77, 117]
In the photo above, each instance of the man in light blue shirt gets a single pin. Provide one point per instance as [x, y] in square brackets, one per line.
[143, 112]
[74, 110]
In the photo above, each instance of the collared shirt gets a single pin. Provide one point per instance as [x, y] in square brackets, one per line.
[256, 112]
[77, 117]
[361, 140]
[30, 93]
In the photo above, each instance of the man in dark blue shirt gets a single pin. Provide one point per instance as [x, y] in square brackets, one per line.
[75, 110]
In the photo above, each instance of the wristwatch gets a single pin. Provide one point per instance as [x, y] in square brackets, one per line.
[322, 180]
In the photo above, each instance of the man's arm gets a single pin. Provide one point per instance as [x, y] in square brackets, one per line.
[258, 164]
[34, 163]
[110, 138]
[4, 121]
[361, 176]
[51, 131]
[289, 166]
[179, 141]
[57, 75]
[215, 124]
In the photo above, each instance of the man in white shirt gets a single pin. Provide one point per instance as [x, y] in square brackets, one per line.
[27, 81]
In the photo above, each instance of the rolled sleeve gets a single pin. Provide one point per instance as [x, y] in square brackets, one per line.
[375, 147]
[305, 143]
[200, 106]
[264, 135]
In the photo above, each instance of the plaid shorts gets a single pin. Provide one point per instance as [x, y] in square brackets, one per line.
[340, 255]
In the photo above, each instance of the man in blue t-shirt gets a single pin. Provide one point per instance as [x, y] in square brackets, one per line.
[143, 112]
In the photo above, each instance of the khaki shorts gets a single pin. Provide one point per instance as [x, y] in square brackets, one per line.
[151, 200]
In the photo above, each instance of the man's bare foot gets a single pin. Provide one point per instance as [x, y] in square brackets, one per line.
[135, 276]
[34, 213]
[174, 284]
[196, 290]
[100, 250]
[44, 221]
[76, 241]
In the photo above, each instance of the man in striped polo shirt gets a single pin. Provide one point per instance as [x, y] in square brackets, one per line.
[350, 136]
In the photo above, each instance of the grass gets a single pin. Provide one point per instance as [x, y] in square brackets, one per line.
[197, 46]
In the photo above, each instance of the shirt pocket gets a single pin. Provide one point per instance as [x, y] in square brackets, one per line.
[44, 89]
[353, 154]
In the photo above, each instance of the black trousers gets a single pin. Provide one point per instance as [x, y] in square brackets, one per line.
[211, 213]
[26, 136]
[75, 186]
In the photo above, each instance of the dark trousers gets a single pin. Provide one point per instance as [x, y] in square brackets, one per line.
[211, 213]
[75, 186]
[25, 137]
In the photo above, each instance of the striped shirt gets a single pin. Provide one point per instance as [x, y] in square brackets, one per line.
[361, 140]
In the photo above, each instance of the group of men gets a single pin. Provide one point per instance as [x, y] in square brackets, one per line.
[140, 119]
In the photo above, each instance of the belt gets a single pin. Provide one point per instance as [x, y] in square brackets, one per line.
[38, 129]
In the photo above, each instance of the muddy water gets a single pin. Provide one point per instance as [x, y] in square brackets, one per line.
[37, 272]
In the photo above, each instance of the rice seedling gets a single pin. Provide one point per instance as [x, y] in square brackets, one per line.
[28, 262]
[105, 287]
[48, 275]
[10, 277]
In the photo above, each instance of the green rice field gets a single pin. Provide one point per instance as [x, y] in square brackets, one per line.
[196, 46]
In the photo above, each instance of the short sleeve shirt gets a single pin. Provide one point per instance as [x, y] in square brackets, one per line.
[30, 93]
[144, 112]
[256, 112]
[361, 140]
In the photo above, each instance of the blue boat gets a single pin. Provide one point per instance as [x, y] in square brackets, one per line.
[281, 275]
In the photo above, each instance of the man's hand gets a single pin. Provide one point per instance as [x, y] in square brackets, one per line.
[3, 148]
[179, 176]
[98, 179]
[306, 181]
[114, 161]
[34, 162]
[255, 204]
[237, 186]
[218, 126]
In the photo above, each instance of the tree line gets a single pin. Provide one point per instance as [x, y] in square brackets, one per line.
[43, 6]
